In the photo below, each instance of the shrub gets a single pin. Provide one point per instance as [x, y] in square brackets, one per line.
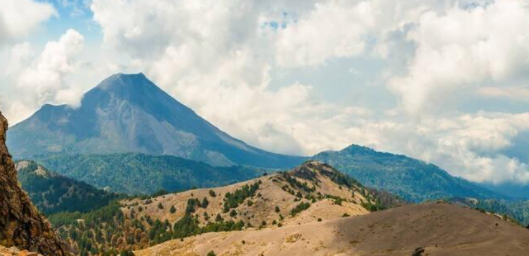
[205, 203]
[218, 218]
[299, 208]
[234, 200]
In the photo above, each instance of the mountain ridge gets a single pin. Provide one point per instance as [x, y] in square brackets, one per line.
[51, 192]
[309, 193]
[137, 173]
[129, 113]
[412, 179]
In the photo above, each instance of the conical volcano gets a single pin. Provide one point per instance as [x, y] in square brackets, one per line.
[129, 113]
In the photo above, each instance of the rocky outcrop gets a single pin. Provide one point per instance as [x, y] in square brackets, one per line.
[13, 251]
[21, 224]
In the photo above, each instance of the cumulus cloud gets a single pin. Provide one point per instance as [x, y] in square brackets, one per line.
[19, 17]
[218, 57]
[464, 48]
[516, 93]
[469, 146]
[332, 29]
[43, 78]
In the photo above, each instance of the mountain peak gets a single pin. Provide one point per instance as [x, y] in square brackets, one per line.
[128, 81]
[125, 76]
[314, 170]
[129, 113]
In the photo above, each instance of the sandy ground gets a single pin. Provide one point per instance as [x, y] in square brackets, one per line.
[441, 229]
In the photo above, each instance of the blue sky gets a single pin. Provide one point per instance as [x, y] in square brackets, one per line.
[74, 15]
[442, 81]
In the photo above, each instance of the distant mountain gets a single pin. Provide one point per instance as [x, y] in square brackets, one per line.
[129, 113]
[515, 209]
[134, 173]
[409, 178]
[510, 189]
[52, 192]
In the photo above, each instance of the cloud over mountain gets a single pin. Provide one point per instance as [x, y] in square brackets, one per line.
[437, 80]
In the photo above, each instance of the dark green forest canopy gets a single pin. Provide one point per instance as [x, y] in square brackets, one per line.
[133, 173]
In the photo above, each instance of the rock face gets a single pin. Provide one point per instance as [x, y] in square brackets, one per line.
[21, 224]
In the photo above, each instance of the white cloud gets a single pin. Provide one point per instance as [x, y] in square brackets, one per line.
[19, 17]
[468, 146]
[464, 48]
[516, 93]
[43, 79]
[217, 56]
[332, 29]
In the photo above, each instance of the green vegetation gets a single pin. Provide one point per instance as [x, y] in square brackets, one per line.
[187, 226]
[299, 208]
[372, 207]
[107, 231]
[296, 184]
[516, 211]
[204, 203]
[133, 174]
[192, 204]
[89, 230]
[52, 193]
[336, 199]
[233, 200]
[408, 178]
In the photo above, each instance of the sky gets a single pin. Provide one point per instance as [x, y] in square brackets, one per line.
[443, 81]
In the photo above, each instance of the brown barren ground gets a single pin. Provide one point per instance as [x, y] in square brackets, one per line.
[439, 228]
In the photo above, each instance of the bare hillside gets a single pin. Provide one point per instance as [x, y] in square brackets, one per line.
[322, 192]
[312, 192]
[429, 229]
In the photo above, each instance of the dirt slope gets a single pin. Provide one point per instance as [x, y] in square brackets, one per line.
[329, 193]
[309, 193]
[439, 228]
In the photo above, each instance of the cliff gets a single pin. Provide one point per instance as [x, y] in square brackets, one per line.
[21, 224]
